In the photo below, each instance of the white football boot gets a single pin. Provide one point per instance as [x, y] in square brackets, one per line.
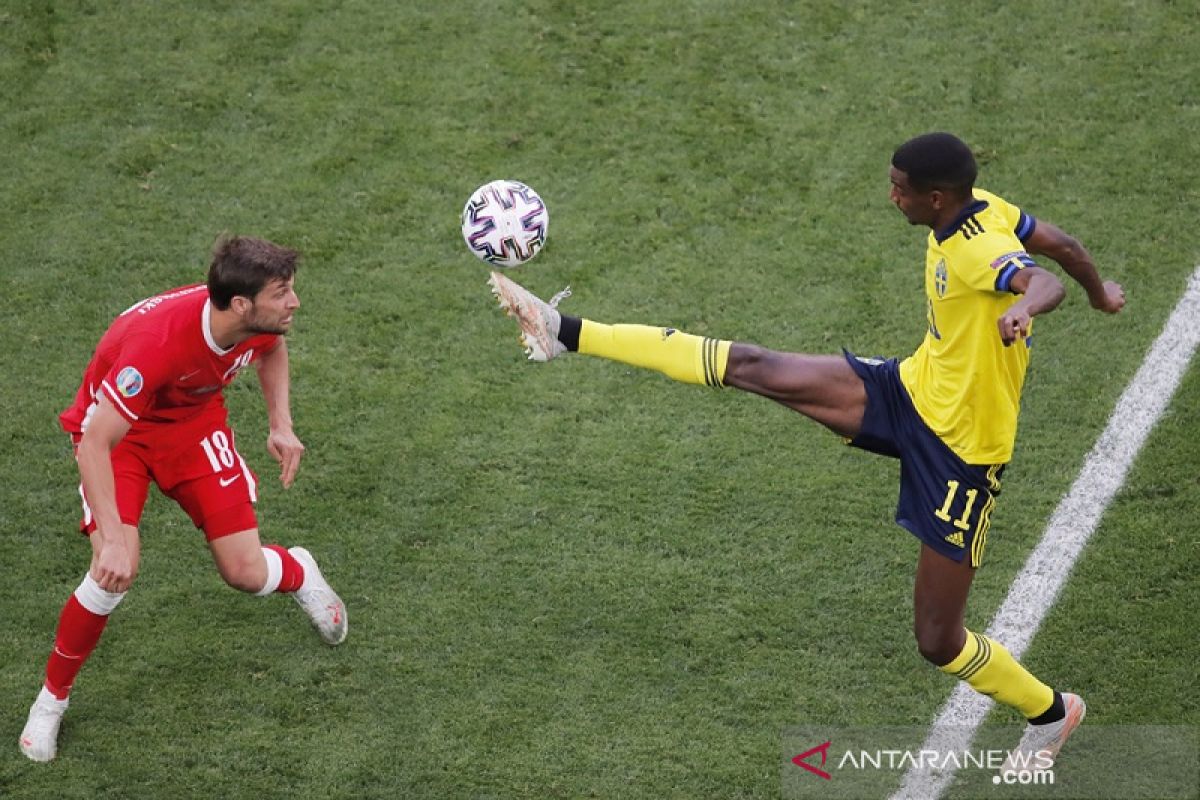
[538, 319]
[39, 740]
[320, 601]
[1040, 744]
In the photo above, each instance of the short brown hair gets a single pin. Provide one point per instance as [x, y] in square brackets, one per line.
[242, 265]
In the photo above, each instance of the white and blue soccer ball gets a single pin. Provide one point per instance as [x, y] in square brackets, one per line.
[504, 223]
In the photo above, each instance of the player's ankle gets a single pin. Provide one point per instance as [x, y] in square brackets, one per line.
[568, 331]
[1054, 713]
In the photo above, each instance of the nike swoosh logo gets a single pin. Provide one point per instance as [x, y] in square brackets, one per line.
[227, 481]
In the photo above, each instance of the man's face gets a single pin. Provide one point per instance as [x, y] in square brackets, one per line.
[919, 208]
[271, 310]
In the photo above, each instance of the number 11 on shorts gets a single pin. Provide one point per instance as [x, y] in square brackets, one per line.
[943, 513]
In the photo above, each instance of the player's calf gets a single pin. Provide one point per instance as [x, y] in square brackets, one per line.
[82, 621]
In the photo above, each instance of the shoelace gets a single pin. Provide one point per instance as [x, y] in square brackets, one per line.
[558, 298]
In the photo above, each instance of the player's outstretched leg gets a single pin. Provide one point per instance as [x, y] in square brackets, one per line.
[546, 333]
[320, 601]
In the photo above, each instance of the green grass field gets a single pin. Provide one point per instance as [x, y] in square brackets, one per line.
[578, 579]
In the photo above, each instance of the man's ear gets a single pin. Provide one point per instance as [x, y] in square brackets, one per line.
[240, 305]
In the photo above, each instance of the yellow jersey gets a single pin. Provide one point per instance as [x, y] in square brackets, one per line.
[964, 382]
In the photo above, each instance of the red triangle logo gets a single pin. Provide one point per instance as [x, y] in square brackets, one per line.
[823, 749]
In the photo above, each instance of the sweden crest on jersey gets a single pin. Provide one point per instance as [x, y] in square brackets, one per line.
[941, 278]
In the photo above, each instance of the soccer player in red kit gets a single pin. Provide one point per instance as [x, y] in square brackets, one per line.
[151, 408]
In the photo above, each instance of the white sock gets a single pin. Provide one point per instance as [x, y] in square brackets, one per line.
[47, 699]
[274, 572]
[95, 599]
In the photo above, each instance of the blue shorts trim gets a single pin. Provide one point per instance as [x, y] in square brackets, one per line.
[944, 501]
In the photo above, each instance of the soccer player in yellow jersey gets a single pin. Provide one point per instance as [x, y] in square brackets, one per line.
[948, 412]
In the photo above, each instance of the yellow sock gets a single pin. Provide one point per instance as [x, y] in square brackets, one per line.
[678, 355]
[990, 669]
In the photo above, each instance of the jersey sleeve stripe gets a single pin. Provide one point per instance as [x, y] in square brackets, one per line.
[1025, 227]
[1004, 279]
[116, 398]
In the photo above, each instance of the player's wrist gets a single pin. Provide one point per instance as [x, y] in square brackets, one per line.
[109, 537]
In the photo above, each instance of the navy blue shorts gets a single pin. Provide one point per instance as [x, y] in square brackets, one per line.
[944, 501]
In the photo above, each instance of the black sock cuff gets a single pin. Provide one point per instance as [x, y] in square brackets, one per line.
[1054, 713]
[568, 331]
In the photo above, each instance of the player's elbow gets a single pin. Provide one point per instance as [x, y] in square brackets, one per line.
[93, 444]
[1055, 291]
[1058, 245]
[1073, 250]
[1043, 288]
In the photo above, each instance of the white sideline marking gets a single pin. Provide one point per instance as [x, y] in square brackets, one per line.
[1045, 572]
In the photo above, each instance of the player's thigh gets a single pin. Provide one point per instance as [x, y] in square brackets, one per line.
[939, 604]
[131, 485]
[941, 588]
[946, 503]
[206, 475]
[824, 388]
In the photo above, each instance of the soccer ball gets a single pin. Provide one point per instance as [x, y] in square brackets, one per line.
[505, 223]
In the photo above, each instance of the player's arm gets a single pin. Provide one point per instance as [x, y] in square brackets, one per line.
[1040, 292]
[282, 443]
[1076, 261]
[113, 565]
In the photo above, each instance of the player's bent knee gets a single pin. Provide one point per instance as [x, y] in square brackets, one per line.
[937, 645]
[239, 559]
[749, 366]
[245, 576]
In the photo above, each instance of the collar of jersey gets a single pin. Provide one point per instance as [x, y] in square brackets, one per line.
[206, 326]
[948, 231]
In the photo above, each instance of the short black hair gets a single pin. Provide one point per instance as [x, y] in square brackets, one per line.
[937, 161]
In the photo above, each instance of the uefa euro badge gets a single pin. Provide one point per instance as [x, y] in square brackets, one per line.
[129, 382]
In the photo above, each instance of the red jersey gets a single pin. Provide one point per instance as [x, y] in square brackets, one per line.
[157, 363]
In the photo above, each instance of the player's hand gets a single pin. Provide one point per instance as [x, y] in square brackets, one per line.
[285, 448]
[1014, 324]
[112, 567]
[1113, 299]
